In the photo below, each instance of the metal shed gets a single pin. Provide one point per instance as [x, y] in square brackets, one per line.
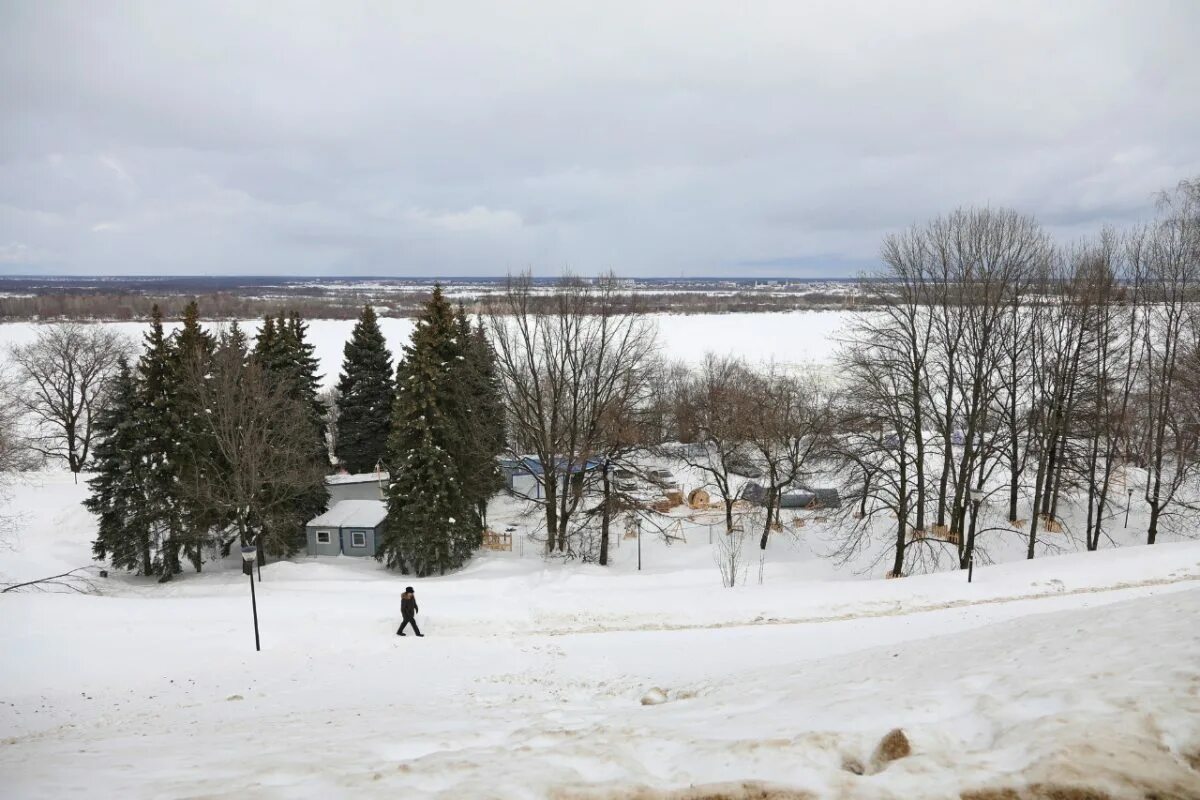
[349, 527]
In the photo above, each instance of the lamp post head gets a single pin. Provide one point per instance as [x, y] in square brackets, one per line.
[248, 553]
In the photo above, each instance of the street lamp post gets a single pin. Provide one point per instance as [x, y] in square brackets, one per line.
[248, 558]
[1128, 502]
[977, 496]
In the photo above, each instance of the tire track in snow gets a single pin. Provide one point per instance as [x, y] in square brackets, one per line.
[894, 610]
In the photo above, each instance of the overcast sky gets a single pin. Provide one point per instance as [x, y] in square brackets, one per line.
[652, 138]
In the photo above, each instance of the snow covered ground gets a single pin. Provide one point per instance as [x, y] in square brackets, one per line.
[1081, 670]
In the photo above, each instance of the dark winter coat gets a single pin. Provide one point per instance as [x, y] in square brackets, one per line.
[408, 604]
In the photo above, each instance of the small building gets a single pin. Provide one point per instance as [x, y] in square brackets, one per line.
[358, 486]
[349, 528]
[523, 476]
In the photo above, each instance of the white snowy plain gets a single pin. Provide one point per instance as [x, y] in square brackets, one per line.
[799, 338]
[1078, 671]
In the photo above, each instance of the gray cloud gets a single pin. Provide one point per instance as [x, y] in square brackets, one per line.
[471, 138]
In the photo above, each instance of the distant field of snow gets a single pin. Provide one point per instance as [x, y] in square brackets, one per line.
[1081, 670]
[792, 338]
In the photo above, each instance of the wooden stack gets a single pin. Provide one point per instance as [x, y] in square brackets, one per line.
[497, 541]
[1050, 524]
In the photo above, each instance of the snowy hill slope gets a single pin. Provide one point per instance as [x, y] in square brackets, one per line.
[1079, 670]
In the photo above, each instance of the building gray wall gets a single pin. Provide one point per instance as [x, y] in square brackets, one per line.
[347, 547]
[368, 546]
[367, 490]
[319, 549]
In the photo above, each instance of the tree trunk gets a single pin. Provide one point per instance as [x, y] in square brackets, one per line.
[550, 486]
[771, 493]
[605, 516]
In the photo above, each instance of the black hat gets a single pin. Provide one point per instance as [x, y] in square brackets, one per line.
[408, 589]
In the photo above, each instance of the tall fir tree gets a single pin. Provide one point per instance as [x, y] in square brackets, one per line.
[483, 429]
[366, 391]
[283, 350]
[303, 359]
[159, 427]
[432, 526]
[191, 354]
[118, 496]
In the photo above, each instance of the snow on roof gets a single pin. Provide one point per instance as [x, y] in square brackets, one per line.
[357, 477]
[352, 514]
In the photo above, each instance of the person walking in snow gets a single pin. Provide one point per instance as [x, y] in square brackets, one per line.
[408, 609]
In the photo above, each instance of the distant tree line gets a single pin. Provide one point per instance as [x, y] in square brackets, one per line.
[62, 304]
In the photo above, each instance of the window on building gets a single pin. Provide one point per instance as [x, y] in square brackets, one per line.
[358, 538]
[322, 537]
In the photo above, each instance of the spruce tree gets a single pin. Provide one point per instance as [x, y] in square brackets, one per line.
[282, 349]
[366, 392]
[117, 490]
[159, 429]
[191, 354]
[431, 523]
[266, 345]
[429, 526]
[303, 360]
[485, 434]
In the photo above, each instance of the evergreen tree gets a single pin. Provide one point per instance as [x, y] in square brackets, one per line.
[266, 345]
[234, 337]
[159, 430]
[191, 353]
[429, 522]
[485, 434]
[432, 525]
[366, 391]
[303, 360]
[282, 349]
[118, 497]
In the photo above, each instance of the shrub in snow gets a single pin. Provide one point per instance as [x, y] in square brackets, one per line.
[654, 697]
[891, 747]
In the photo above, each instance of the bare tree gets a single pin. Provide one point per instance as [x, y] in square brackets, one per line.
[329, 400]
[256, 453]
[63, 374]
[14, 455]
[1112, 369]
[716, 404]
[567, 362]
[789, 422]
[729, 556]
[1167, 254]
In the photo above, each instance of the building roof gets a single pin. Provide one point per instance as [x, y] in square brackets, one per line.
[352, 514]
[357, 477]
